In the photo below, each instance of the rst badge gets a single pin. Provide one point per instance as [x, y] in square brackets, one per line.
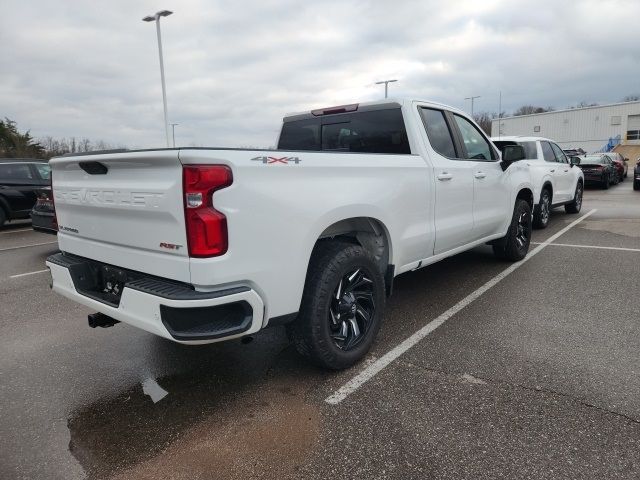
[272, 160]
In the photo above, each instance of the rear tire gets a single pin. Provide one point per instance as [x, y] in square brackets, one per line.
[576, 204]
[324, 331]
[543, 212]
[636, 184]
[515, 244]
[3, 217]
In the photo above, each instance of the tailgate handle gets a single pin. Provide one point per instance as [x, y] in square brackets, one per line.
[94, 168]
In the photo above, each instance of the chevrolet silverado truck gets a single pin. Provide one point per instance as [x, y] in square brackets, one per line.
[199, 245]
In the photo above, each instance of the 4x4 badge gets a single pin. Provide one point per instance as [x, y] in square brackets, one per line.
[270, 160]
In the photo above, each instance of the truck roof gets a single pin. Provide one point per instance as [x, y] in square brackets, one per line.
[382, 104]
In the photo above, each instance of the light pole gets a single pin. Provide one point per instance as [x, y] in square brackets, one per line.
[472, 98]
[173, 131]
[156, 18]
[386, 85]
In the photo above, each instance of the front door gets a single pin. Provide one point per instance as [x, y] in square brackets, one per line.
[491, 188]
[453, 178]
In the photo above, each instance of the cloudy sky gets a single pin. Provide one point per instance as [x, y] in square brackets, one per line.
[234, 68]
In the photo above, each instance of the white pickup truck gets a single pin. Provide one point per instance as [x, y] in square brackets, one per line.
[199, 245]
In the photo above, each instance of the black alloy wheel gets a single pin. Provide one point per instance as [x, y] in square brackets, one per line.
[342, 305]
[352, 309]
[576, 204]
[515, 244]
[541, 217]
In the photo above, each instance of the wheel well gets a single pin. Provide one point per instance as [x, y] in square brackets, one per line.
[526, 195]
[548, 186]
[367, 232]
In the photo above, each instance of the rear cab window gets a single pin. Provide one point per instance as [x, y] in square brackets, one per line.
[375, 131]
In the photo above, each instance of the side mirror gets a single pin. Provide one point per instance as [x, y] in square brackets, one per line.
[574, 160]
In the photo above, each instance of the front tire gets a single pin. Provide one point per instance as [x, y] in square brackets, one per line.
[576, 204]
[3, 217]
[342, 306]
[605, 182]
[636, 184]
[543, 212]
[515, 244]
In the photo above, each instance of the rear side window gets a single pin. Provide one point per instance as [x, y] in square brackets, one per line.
[15, 172]
[378, 131]
[438, 132]
[547, 152]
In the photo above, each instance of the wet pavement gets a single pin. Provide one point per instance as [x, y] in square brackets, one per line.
[537, 378]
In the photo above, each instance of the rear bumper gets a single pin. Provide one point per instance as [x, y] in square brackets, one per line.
[44, 222]
[169, 309]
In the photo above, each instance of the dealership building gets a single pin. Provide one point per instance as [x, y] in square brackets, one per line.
[594, 129]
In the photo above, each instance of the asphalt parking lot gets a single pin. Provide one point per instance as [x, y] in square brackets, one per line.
[534, 375]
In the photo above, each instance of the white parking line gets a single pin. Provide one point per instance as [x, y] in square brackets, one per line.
[17, 231]
[374, 368]
[26, 246]
[29, 273]
[622, 249]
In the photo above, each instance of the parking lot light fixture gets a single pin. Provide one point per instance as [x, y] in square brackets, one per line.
[156, 18]
[386, 86]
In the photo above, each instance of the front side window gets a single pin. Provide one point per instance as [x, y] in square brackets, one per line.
[478, 148]
[559, 154]
[547, 152]
[438, 132]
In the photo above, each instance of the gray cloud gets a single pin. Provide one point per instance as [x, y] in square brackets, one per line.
[235, 68]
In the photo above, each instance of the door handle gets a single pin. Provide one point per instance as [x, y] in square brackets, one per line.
[445, 176]
[552, 170]
[479, 174]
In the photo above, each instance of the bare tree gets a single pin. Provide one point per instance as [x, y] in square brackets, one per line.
[530, 110]
[631, 98]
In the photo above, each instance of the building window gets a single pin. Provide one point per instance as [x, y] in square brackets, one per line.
[536, 129]
[616, 120]
[633, 134]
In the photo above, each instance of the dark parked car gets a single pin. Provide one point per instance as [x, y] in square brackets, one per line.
[20, 178]
[598, 169]
[43, 215]
[620, 163]
[636, 176]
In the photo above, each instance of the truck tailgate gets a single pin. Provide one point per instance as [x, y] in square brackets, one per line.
[125, 209]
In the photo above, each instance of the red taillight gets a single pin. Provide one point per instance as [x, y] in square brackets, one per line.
[206, 227]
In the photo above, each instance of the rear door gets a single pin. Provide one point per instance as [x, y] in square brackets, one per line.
[124, 209]
[453, 182]
[554, 170]
[565, 178]
[491, 187]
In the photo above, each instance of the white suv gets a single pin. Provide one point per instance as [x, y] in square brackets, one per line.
[555, 178]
